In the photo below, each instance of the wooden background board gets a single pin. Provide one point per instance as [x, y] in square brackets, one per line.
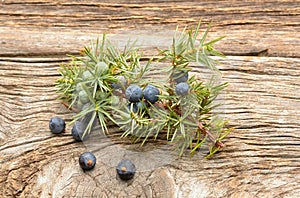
[261, 157]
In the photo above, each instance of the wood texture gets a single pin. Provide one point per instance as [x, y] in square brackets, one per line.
[262, 101]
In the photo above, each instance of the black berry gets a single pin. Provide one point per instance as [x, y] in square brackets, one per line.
[151, 93]
[141, 105]
[133, 93]
[87, 161]
[126, 170]
[181, 77]
[57, 125]
[133, 107]
[182, 89]
[78, 131]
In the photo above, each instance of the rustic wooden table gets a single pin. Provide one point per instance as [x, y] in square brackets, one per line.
[262, 45]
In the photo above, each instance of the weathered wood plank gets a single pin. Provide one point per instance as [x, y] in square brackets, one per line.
[60, 27]
[260, 159]
[262, 101]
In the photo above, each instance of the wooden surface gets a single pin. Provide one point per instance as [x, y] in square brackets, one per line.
[261, 157]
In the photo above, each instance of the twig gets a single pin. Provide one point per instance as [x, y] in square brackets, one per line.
[69, 107]
[210, 136]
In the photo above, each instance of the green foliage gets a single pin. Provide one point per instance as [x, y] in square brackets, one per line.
[88, 86]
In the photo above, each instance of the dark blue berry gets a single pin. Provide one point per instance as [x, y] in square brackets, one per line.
[87, 161]
[57, 125]
[181, 77]
[182, 89]
[151, 93]
[78, 131]
[133, 107]
[133, 93]
[126, 170]
[141, 105]
[137, 106]
[88, 111]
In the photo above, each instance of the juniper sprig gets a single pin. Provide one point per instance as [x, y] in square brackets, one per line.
[108, 84]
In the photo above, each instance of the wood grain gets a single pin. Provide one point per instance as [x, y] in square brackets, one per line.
[60, 27]
[260, 157]
[262, 100]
